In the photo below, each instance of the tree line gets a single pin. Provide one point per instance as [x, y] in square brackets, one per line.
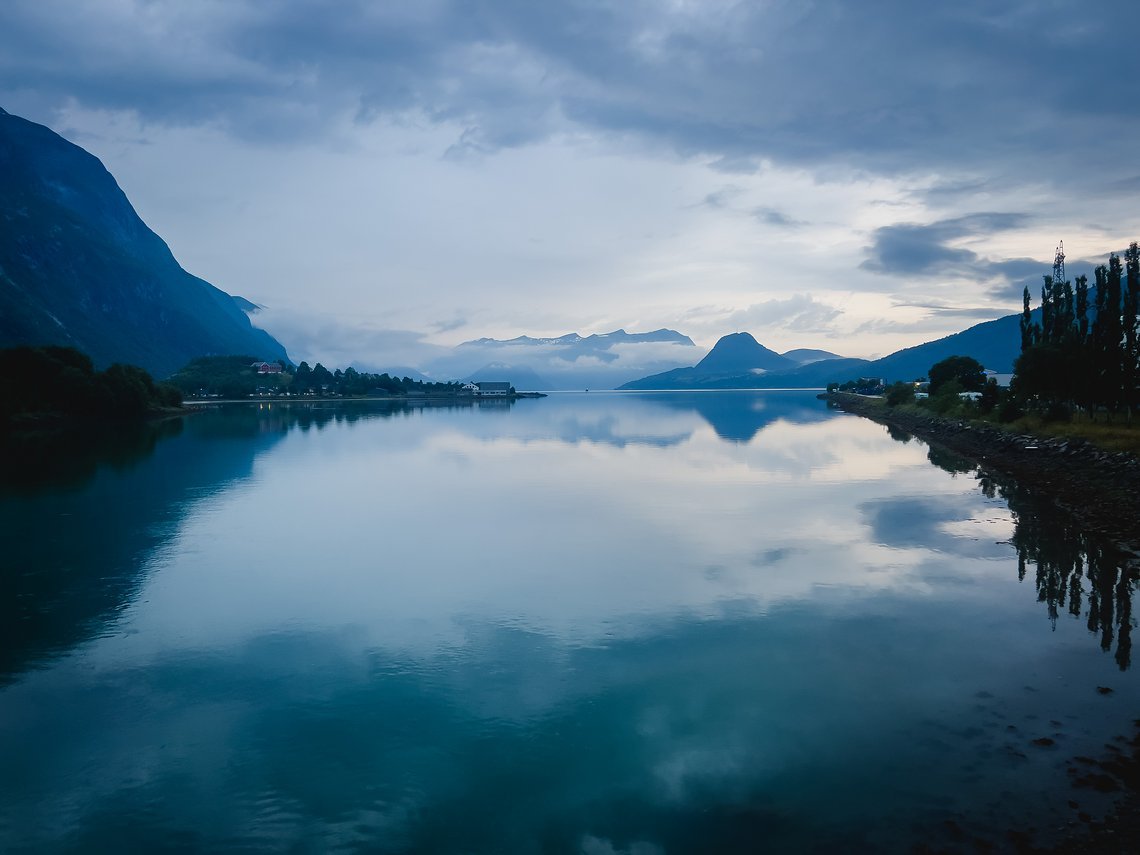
[236, 377]
[1082, 357]
[39, 382]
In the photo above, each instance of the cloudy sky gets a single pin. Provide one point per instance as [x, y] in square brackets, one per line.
[391, 177]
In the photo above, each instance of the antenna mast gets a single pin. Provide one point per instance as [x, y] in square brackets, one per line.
[1059, 264]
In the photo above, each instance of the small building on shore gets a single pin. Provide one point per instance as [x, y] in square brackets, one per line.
[489, 388]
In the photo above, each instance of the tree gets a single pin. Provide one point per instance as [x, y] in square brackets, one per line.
[967, 371]
[1128, 319]
[321, 377]
[1029, 331]
[1107, 362]
[303, 379]
[991, 396]
[62, 382]
[1082, 307]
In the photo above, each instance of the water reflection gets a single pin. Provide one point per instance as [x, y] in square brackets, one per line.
[1075, 571]
[739, 416]
[68, 459]
[598, 624]
[82, 513]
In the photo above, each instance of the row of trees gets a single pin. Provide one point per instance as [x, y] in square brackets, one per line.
[235, 377]
[62, 381]
[353, 382]
[1082, 356]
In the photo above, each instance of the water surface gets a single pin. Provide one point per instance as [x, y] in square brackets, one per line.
[589, 623]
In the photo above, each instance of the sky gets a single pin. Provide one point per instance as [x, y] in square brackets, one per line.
[393, 178]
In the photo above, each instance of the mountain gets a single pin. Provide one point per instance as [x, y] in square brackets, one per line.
[995, 344]
[804, 355]
[594, 341]
[736, 361]
[79, 267]
[571, 361]
[740, 353]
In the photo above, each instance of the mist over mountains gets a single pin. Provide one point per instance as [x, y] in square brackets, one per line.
[571, 361]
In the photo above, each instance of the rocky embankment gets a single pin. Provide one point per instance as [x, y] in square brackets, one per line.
[1098, 488]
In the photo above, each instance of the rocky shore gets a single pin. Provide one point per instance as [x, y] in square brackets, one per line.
[1097, 488]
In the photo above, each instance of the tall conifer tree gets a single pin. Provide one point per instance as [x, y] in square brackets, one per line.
[1082, 308]
[1129, 309]
[1028, 339]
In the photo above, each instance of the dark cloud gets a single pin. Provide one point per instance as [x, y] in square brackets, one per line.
[889, 85]
[941, 310]
[908, 249]
[1021, 273]
[927, 250]
[772, 217]
[454, 323]
[723, 197]
[733, 165]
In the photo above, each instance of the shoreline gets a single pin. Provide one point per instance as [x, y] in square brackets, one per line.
[1097, 488]
[362, 399]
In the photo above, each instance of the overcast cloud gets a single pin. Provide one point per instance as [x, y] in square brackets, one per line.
[491, 168]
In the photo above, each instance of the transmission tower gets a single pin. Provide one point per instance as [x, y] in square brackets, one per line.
[1059, 264]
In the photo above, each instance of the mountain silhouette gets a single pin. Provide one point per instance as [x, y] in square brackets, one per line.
[78, 267]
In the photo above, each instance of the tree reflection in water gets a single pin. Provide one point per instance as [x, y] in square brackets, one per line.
[1076, 571]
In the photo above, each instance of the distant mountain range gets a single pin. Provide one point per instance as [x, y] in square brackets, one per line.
[738, 361]
[804, 355]
[78, 267]
[571, 361]
[593, 342]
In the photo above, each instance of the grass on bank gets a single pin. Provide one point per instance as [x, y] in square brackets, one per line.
[1119, 434]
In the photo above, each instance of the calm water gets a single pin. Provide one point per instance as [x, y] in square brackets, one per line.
[592, 623]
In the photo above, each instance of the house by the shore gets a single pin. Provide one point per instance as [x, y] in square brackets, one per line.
[493, 388]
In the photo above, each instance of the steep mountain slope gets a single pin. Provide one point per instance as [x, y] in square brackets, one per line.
[737, 360]
[79, 267]
[740, 353]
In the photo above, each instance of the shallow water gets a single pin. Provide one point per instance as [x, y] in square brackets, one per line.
[588, 623]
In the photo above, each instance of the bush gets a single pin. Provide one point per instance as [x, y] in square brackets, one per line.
[946, 401]
[991, 396]
[1058, 412]
[900, 393]
[1010, 410]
